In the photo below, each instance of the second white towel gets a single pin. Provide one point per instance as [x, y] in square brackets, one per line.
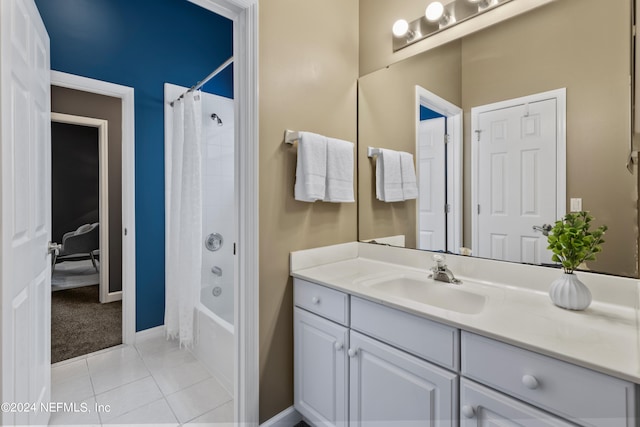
[395, 176]
[324, 170]
[339, 171]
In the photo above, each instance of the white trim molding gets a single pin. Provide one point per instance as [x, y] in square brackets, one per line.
[244, 14]
[287, 418]
[128, 187]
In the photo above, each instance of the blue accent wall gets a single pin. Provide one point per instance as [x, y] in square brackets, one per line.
[427, 114]
[142, 44]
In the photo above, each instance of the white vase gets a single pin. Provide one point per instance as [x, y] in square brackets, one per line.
[567, 291]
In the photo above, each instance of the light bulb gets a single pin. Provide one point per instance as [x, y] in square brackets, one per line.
[400, 28]
[434, 11]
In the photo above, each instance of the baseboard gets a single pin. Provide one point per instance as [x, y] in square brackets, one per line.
[287, 418]
[150, 333]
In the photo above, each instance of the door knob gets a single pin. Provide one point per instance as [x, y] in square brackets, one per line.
[352, 352]
[544, 229]
[53, 248]
[338, 346]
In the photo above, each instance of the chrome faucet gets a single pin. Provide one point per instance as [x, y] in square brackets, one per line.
[441, 273]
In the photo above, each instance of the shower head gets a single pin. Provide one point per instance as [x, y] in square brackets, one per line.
[214, 116]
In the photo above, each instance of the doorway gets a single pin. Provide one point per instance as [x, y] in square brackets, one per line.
[85, 315]
[439, 172]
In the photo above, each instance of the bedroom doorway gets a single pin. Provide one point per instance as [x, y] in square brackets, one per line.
[85, 315]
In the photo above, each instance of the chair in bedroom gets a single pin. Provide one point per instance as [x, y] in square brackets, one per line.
[79, 245]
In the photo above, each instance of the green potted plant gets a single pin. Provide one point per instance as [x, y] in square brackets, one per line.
[573, 242]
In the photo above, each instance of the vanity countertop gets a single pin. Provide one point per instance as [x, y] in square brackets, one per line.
[605, 337]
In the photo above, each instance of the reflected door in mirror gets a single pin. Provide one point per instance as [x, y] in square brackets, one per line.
[517, 165]
[432, 224]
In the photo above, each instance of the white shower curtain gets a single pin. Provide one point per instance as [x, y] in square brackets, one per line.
[184, 219]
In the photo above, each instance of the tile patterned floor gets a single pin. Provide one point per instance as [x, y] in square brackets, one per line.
[151, 383]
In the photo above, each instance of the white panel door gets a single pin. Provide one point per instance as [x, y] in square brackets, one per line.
[320, 366]
[432, 185]
[516, 187]
[25, 210]
[483, 407]
[390, 388]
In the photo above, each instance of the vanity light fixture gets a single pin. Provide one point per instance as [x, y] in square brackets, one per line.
[400, 28]
[434, 11]
[438, 16]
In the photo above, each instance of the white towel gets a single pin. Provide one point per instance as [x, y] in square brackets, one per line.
[311, 168]
[339, 171]
[409, 185]
[388, 176]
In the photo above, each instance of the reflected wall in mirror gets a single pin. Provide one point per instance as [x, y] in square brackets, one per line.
[581, 45]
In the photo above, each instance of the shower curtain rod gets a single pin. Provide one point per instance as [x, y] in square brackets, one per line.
[205, 80]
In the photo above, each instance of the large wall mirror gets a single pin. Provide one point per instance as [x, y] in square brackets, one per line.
[558, 79]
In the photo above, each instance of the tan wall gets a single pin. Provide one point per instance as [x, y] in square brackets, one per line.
[548, 48]
[308, 76]
[501, 63]
[386, 113]
[79, 103]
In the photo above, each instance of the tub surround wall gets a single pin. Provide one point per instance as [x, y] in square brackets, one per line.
[308, 79]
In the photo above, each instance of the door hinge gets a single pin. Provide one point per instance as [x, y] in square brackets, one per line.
[478, 209]
[447, 139]
[447, 208]
[478, 132]
[234, 248]
[125, 231]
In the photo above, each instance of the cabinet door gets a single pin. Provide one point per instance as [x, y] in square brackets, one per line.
[389, 387]
[320, 369]
[483, 407]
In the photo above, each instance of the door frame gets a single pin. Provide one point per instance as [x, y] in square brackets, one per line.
[453, 115]
[126, 94]
[560, 95]
[244, 14]
[103, 210]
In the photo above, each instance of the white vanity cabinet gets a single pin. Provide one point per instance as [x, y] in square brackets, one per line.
[344, 377]
[388, 387]
[480, 406]
[571, 392]
[360, 363]
[320, 369]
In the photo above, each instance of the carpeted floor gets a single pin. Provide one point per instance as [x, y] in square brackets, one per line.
[81, 325]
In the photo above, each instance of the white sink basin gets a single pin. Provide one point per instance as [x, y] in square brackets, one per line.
[427, 291]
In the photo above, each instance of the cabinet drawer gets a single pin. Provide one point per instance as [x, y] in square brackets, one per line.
[326, 302]
[422, 337]
[578, 394]
[481, 406]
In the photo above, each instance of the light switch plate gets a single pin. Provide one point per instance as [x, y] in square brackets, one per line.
[576, 205]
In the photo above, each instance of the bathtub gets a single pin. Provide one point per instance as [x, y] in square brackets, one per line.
[215, 343]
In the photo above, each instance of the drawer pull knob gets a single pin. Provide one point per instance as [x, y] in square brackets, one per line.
[315, 300]
[352, 352]
[468, 411]
[530, 382]
[338, 346]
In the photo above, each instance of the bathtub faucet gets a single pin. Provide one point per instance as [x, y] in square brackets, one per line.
[217, 271]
